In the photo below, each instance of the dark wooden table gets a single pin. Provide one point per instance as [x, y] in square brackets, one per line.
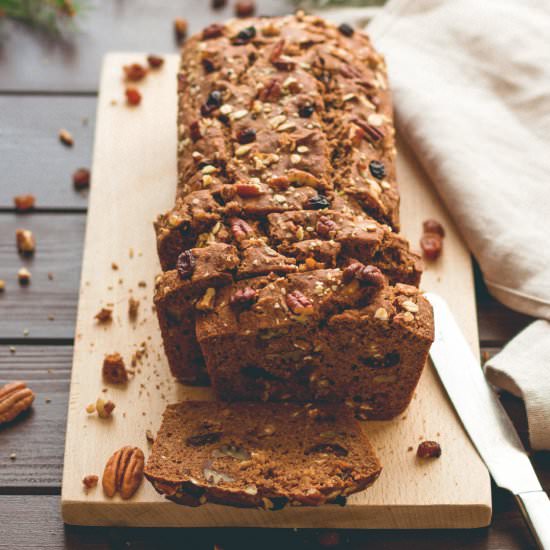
[48, 84]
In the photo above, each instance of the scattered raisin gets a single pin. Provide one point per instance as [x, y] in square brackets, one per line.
[195, 131]
[133, 96]
[81, 179]
[134, 72]
[245, 8]
[377, 169]
[247, 190]
[299, 304]
[326, 227]
[24, 203]
[203, 439]
[240, 228]
[305, 111]
[186, 264]
[114, 370]
[155, 61]
[432, 245]
[346, 30]
[244, 36]
[244, 297]
[428, 449]
[317, 203]
[433, 226]
[180, 28]
[212, 31]
[246, 135]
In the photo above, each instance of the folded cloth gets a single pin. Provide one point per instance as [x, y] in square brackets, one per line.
[471, 86]
[523, 368]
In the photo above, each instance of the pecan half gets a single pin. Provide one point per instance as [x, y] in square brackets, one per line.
[243, 298]
[299, 304]
[240, 228]
[326, 227]
[248, 190]
[123, 472]
[367, 274]
[15, 398]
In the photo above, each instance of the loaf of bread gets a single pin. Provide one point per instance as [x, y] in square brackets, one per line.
[284, 275]
[260, 455]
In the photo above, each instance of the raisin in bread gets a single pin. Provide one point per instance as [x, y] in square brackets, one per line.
[260, 455]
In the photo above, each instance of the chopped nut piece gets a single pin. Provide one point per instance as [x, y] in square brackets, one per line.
[428, 449]
[90, 409]
[155, 61]
[24, 203]
[247, 190]
[104, 315]
[81, 179]
[90, 481]
[134, 72]
[26, 243]
[114, 370]
[245, 8]
[180, 28]
[239, 228]
[133, 96]
[149, 436]
[2, 285]
[24, 276]
[243, 298]
[104, 408]
[381, 314]
[410, 306]
[66, 138]
[299, 304]
[133, 307]
[206, 303]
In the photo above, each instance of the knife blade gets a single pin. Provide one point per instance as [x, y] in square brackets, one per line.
[486, 421]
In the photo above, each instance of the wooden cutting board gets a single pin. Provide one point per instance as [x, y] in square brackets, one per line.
[133, 179]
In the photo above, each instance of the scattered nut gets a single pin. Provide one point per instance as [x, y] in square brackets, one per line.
[104, 408]
[245, 8]
[26, 243]
[180, 28]
[133, 96]
[24, 276]
[149, 436]
[123, 472]
[299, 304]
[15, 398]
[24, 203]
[428, 449]
[66, 138]
[2, 285]
[114, 370]
[90, 481]
[104, 315]
[81, 179]
[90, 409]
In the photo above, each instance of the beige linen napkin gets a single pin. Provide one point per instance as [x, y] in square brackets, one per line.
[471, 85]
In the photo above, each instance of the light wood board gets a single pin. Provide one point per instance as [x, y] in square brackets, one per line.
[133, 179]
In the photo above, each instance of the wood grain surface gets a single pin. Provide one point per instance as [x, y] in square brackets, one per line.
[46, 84]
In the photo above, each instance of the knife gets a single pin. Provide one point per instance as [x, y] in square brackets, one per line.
[486, 421]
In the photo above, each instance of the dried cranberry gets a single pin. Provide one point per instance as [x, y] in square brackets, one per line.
[155, 61]
[133, 97]
[428, 449]
[81, 178]
[346, 30]
[377, 169]
[244, 36]
[195, 131]
[212, 31]
[246, 135]
[305, 111]
[431, 244]
[433, 226]
[186, 264]
[245, 8]
[317, 203]
[243, 298]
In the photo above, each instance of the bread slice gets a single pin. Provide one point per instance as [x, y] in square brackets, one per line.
[262, 455]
